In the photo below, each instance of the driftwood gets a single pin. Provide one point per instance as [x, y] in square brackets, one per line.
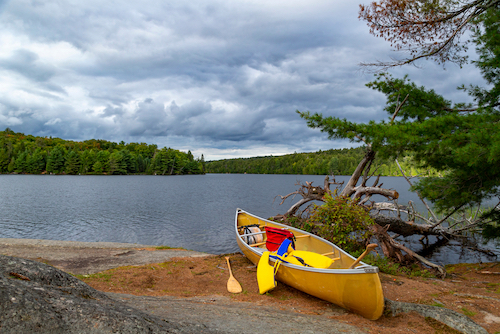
[385, 223]
[309, 193]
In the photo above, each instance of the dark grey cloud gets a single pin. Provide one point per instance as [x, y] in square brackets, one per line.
[222, 78]
[27, 64]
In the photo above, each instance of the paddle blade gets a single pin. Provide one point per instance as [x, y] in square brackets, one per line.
[265, 274]
[233, 285]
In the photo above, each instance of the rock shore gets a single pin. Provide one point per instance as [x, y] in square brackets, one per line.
[39, 298]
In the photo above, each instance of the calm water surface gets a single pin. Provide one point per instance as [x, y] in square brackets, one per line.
[193, 211]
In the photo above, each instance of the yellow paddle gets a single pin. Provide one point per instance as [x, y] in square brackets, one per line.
[369, 248]
[232, 284]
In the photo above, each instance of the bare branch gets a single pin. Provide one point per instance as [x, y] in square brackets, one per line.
[420, 258]
[447, 216]
[399, 108]
[369, 191]
[283, 198]
[308, 192]
[426, 34]
[349, 188]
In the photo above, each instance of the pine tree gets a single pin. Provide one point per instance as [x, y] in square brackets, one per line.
[72, 163]
[55, 160]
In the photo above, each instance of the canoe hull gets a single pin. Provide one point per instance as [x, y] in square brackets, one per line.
[358, 290]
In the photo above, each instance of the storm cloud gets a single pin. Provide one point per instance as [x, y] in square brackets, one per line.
[223, 79]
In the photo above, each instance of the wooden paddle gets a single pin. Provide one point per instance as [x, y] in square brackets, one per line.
[232, 284]
[369, 248]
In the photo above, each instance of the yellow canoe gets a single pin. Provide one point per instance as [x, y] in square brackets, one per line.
[358, 289]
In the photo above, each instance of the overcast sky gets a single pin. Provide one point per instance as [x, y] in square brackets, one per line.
[220, 78]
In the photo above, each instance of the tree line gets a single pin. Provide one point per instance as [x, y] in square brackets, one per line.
[27, 154]
[329, 162]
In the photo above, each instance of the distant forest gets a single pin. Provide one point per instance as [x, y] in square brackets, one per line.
[26, 154]
[336, 162]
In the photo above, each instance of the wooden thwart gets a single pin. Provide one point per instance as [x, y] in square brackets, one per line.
[258, 244]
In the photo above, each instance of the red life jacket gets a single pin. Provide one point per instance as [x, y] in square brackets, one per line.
[275, 236]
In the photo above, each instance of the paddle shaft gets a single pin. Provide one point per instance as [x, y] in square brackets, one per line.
[369, 248]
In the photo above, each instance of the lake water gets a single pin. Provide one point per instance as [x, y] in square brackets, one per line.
[193, 211]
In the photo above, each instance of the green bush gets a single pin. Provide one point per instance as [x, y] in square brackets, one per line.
[342, 221]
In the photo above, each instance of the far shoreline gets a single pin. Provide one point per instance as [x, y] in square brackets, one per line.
[70, 243]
